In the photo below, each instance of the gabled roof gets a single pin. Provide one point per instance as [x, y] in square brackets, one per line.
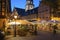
[22, 12]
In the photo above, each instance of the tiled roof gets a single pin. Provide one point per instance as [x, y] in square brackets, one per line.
[22, 12]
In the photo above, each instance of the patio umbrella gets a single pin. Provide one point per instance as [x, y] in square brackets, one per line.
[36, 22]
[54, 21]
[43, 21]
[17, 22]
[14, 23]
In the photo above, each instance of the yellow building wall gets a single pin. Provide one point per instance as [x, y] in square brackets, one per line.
[55, 18]
[1, 22]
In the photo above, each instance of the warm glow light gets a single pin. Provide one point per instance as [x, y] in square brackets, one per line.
[15, 17]
[52, 19]
[13, 23]
[56, 18]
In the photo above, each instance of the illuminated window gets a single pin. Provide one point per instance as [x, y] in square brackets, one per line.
[2, 13]
[2, 9]
[26, 7]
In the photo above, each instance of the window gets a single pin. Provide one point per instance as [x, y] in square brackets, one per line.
[0, 1]
[2, 13]
[31, 2]
[3, 3]
[28, 2]
[26, 7]
[46, 17]
[43, 17]
[0, 8]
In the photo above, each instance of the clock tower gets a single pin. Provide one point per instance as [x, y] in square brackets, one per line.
[29, 5]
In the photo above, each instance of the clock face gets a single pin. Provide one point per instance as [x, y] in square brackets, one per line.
[31, 7]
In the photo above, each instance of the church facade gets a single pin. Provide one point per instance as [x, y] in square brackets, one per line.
[29, 13]
[42, 12]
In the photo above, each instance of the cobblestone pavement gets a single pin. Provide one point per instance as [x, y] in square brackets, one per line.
[41, 36]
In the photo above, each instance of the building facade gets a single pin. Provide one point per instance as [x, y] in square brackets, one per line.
[29, 12]
[44, 11]
[26, 15]
[5, 7]
[58, 9]
[5, 10]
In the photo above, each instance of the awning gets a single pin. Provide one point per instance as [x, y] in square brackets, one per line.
[14, 23]
[17, 22]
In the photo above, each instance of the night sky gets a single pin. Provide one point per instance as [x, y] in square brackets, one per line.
[22, 3]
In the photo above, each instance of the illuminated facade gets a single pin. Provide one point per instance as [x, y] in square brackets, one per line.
[27, 15]
[58, 9]
[56, 14]
[5, 10]
[5, 7]
[29, 12]
[44, 11]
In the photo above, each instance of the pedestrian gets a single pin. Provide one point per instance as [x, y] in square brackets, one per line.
[50, 27]
[54, 29]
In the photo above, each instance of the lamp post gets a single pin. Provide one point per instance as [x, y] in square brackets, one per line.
[35, 29]
[15, 26]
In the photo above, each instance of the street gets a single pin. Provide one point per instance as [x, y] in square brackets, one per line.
[41, 36]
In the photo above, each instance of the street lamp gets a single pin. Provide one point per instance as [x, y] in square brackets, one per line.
[15, 17]
[15, 26]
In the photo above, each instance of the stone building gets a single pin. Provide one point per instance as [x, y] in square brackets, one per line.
[44, 11]
[5, 10]
[29, 12]
[5, 7]
[26, 15]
